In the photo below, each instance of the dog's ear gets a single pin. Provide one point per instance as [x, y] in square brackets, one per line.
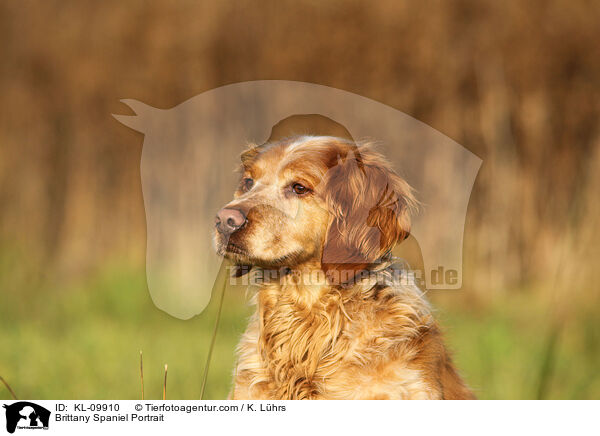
[370, 212]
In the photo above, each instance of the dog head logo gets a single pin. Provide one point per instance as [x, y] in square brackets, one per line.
[26, 415]
[190, 152]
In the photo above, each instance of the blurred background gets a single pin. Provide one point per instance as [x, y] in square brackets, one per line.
[516, 83]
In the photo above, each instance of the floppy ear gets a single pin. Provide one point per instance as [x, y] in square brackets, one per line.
[369, 206]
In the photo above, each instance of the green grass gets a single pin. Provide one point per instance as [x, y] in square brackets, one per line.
[83, 342]
[503, 351]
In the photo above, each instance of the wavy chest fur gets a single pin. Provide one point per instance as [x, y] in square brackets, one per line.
[372, 341]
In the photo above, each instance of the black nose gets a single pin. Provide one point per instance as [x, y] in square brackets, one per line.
[229, 220]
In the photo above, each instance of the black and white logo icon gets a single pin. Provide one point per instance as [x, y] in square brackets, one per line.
[26, 415]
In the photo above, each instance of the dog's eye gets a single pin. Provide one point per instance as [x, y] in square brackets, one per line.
[299, 189]
[247, 184]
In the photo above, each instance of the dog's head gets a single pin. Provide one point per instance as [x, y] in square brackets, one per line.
[314, 200]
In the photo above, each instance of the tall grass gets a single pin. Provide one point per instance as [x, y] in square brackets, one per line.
[517, 83]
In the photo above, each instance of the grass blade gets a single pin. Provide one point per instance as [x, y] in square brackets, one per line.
[212, 341]
[548, 362]
[8, 387]
[165, 383]
[142, 372]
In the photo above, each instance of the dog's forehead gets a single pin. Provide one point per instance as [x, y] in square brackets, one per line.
[267, 160]
[306, 157]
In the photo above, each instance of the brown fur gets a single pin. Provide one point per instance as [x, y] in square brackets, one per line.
[326, 330]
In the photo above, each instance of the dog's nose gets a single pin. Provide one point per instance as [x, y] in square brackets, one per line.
[229, 220]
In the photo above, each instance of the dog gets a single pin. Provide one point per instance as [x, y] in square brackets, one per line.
[335, 316]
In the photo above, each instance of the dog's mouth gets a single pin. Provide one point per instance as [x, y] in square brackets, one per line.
[232, 249]
[225, 246]
[235, 249]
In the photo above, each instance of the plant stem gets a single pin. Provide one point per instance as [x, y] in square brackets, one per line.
[142, 372]
[212, 342]
[8, 387]
[165, 383]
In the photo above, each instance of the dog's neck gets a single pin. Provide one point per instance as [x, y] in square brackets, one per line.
[305, 284]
